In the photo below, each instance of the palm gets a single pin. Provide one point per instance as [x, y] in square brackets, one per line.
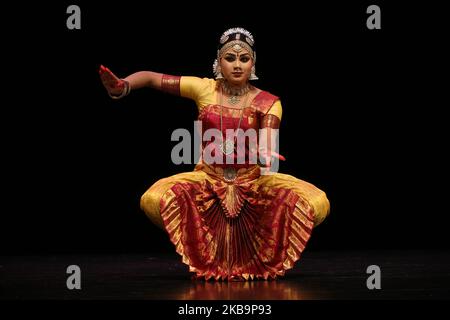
[110, 81]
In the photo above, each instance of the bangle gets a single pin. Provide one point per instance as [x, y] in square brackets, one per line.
[126, 90]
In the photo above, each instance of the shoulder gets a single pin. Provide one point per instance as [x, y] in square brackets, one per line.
[264, 101]
[195, 87]
[197, 82]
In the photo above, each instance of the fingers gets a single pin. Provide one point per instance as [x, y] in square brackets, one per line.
[104, 75]
[112, 84]
[107, 76]
[105, 72]
[268, 159]
[279, 156]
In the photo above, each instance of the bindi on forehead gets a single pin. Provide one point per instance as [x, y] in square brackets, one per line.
[237, 54]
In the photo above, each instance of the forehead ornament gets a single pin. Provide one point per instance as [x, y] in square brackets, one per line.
[237, 48]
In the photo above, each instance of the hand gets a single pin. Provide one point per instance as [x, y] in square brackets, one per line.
[279, 156]
[265, 160]
[111, 82]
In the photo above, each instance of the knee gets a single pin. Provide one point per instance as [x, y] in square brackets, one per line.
[150, 204]
[321, 206]
[149, 201]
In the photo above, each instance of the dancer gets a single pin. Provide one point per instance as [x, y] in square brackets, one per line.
[237, 221]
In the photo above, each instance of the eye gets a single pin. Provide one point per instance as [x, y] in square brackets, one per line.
[230, 58]
[245, 59]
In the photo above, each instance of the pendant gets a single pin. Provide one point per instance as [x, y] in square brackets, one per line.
[227, 147]
[234, 100]
[229, 175]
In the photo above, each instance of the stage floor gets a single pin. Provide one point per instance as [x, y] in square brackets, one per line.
[336, 275]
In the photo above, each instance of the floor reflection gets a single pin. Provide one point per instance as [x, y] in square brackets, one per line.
[248, 290]
[327, 275]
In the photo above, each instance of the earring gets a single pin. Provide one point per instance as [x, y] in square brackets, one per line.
[216, 70]
[219, 74]
[253, 74]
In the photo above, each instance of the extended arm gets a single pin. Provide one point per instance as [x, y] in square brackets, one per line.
[143, 79]
[118, 88]
[268, 138]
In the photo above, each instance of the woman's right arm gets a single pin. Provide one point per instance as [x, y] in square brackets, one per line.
[143, 79]
[118, 88]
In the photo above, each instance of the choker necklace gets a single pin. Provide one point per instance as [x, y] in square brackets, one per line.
[228, 146]
[234, 93]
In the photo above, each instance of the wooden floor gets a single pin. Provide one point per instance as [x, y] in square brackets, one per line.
[318, 276]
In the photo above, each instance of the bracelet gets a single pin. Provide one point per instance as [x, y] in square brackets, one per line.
[126, 90]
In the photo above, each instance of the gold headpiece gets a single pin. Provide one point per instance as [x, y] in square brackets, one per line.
[238, 39]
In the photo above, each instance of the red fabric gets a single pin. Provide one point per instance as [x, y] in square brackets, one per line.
[263, 101]
[170, 84]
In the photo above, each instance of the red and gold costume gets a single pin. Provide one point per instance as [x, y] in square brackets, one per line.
[255, 226]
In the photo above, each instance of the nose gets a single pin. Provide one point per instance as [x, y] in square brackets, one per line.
[237, 64]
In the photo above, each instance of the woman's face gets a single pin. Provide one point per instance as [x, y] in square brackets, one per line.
[236, 66]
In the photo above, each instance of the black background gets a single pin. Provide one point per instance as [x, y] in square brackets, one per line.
[362, 118]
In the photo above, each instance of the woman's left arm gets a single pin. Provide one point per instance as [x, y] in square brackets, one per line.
[268, 138]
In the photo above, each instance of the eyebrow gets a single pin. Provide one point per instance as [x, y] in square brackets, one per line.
[234, 54]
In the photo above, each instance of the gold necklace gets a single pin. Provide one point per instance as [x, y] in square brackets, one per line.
[233, 93]
[227, 146]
